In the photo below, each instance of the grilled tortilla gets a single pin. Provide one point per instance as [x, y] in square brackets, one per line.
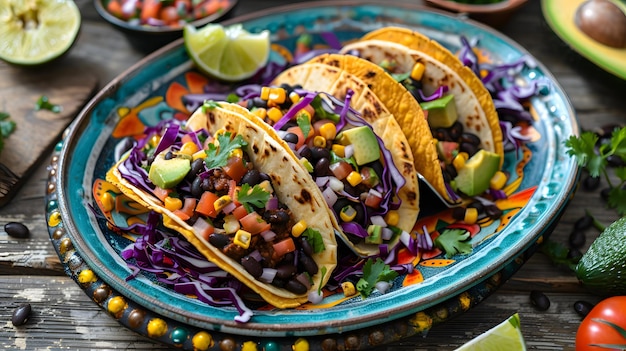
[291, 184]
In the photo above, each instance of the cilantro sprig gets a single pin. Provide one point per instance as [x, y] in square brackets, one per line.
[454, 241]
[7, 126]
[374, 272]
[315, 239]
[255, 196]
[595, 159]
[217, 155]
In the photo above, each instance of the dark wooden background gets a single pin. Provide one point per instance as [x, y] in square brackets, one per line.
[65, 318]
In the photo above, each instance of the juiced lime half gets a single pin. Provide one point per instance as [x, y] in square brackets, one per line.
[506, 336]
[227, 53]
[37, 31]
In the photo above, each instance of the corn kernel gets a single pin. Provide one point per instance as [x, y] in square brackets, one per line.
[498, 180]
[261, 112]
[275, 114]
[267, 186]
[328, 131]
[242, 238]
[459, 160]
[347, 213]
[220, 203]
[265, 93]
[189, 148]
[277, 95]
[305, 113]
[348, 289]
[354, 178]
[218, 133]
[199, 154]
[154, 141]
[339, 150]
[236, 153]
[471, 215]
[319, 141]
[108, 202]
[173, 204]
[418, 71]
[392, 218]
[294, 97]
[298, 228]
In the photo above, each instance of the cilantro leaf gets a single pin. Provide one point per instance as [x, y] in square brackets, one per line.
[315, 240]
[304, 123]
[232, 98]
[6, 127]
[583, 148]
[454, 241]
[217, 156]
[210, 105]
[256, 196]
[616, 199]
[374, 272]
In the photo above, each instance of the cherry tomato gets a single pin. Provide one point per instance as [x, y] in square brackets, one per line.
[594, 330]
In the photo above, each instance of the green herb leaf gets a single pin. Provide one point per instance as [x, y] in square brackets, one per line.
[399, 77]
[454, 241]
[256, 196]
[304, 123]
[232, 98]
[315, 240]
[217, 156]
[320, 112]
[6, 127]
[374, 272]
[583, 148]
[210, 105]
[319, 288]
[44, 104]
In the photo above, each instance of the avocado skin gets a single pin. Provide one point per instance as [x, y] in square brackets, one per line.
[602, 267]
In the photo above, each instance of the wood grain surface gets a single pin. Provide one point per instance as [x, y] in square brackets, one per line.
[64, 318]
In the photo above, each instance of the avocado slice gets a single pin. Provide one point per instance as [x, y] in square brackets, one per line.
[167, 173]
[441, 112]
[473, 179]
[364, 142]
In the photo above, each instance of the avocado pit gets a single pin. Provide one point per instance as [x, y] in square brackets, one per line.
[602, 21]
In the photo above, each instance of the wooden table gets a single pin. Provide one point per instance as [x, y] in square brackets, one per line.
[65, 318]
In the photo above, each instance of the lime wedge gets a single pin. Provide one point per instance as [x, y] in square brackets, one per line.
[506, 336]
[37, 31]
[227, 53]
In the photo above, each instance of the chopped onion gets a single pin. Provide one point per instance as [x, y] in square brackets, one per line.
[386, 233]
[330, 196]
[268, 275]
[335, 184]
[268, 235]
[378, 220]
[315, 297]
[321, 181]
[229, 208]
[382, 286]
[348, 151]
[256, 255]
[272, 203]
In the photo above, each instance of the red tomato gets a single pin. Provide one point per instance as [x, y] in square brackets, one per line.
[235, 168]
[594, 331]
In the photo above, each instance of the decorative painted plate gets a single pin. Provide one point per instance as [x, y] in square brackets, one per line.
[560, 15]
[439, 287]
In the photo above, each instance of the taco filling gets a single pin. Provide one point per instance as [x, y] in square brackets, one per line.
[211, 189]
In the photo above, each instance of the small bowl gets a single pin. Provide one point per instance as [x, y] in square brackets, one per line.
[150, 38]
[495, 15]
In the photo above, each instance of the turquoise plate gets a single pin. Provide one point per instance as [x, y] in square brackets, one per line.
[90, 252]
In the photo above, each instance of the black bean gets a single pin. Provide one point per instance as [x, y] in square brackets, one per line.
[252, 177]
[196, 187]
[285, 271]
[276, 216]
[295, 287]
[604, 193]
[478, 206]
[583, 308]
[451, 170]
[470, 138]
[307, 263]
[615, 161]
[279, 283]
[219, 240]
[470, 148]
[458, 213]
[168, 155]
[21, 314]
[493, 211]
[252, 266]
[206, 184]
[305, 152]
[16, 230]
[591, 183]
[577, 239]
[319, 152]
[322, 167]
[258, 102]
[456, 131]
[584, 222]
[306, 246]
[442, 134]
[197, 166]
[539, 300]
[291, 138]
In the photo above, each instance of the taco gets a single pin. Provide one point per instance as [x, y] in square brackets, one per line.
[353, 148]
[239, 197]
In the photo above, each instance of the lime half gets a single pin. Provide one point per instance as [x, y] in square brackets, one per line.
[37, 31]
[227, 53]
[506, 336]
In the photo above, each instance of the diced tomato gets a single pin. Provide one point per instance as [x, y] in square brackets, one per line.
[239, 212]
[232, 191]
[373, 199]
[297, 131]
[181, 214]
[235, 168]
[169, 14]
[150, 9]
[341, 169]
[253, 223]
[203, 228]
[161, 193]
[284, 246]
[205, 205]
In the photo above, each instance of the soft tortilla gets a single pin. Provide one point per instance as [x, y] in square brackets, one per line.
[292, 185]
